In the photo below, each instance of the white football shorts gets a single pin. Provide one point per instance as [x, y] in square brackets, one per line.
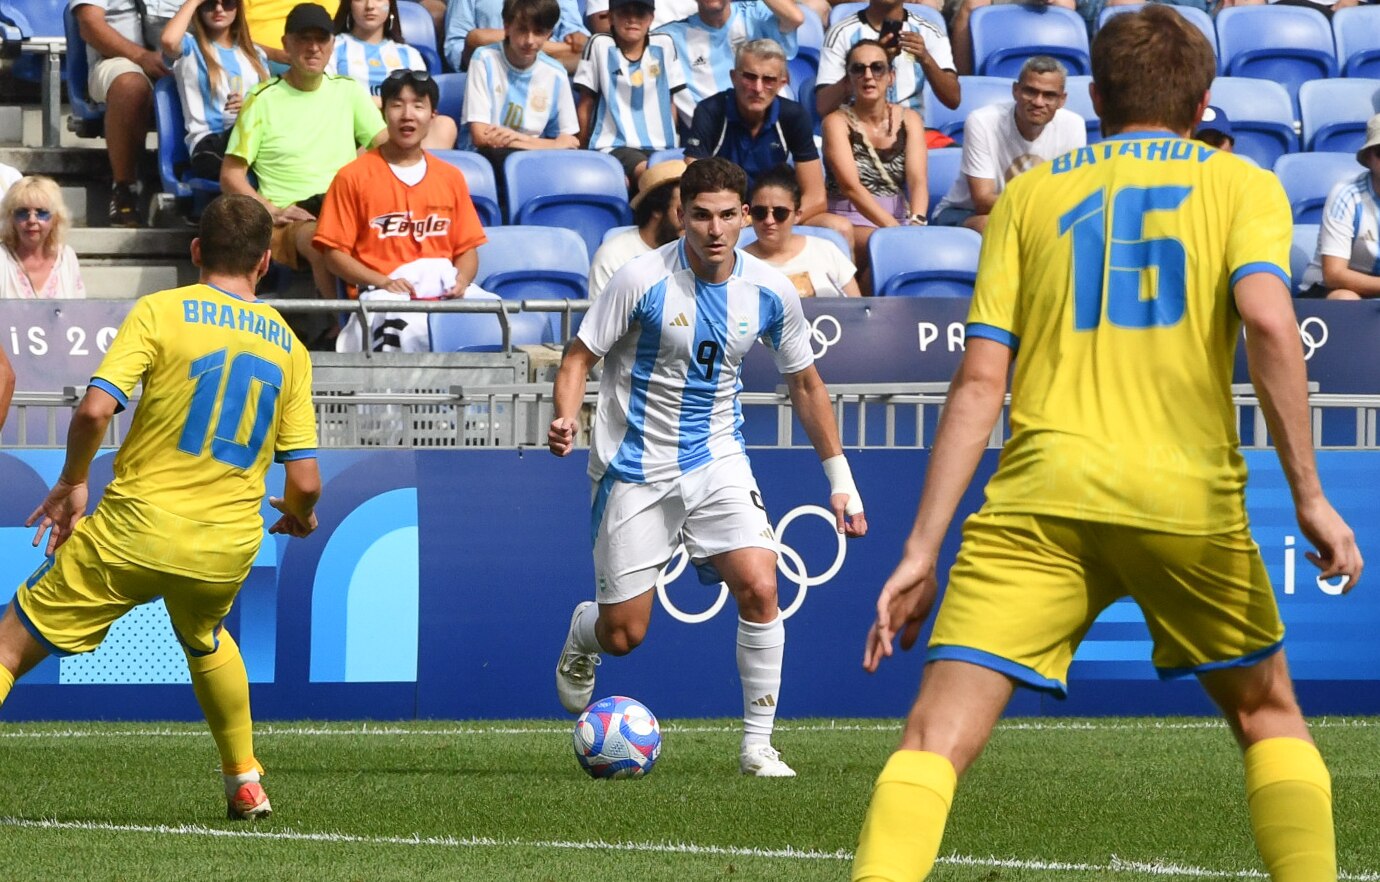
[637, 527]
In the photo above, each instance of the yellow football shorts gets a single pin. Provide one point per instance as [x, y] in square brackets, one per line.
[1026, 588]
[71, 601]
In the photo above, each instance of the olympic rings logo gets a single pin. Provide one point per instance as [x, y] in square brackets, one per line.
[1313, 332]
[819, 340]
[788, 561]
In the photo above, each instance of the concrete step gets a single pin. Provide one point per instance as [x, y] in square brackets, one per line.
[155, 245]
[108, 281]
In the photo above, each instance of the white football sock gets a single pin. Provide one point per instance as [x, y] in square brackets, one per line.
[760, 650]
[582, 628]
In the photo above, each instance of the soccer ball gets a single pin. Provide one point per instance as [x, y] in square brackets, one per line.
[617, 737]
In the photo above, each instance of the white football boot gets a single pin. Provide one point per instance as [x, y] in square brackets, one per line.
[575, 670]
[763, 761]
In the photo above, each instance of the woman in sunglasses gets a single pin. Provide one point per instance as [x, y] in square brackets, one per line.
[216, 65]
[816, 266]
[34, 261]
[874, 151]
[369, 46]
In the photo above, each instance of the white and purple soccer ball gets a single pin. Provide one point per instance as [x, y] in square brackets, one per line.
[617, 737]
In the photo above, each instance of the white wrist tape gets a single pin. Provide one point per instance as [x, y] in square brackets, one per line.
[841, 481]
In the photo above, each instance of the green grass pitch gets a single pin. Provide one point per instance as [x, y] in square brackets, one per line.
[1092, 801]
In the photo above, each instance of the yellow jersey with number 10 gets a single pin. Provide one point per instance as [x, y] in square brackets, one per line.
[1109, 271]
[227, 388]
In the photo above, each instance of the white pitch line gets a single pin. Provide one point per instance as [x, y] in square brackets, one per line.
[1115, 864]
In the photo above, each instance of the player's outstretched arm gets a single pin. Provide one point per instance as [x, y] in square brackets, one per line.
[66, 502]
[1275, 356]
[975, 399]
[6, 386]
[301, 492]
[569, 394]
[810, 398]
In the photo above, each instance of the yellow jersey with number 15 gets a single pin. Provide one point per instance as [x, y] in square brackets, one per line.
[1109, 271]
[227, 389]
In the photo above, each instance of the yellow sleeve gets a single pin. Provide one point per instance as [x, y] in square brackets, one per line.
[296, 437]
[993, 312]
[1262, 228]
[130, 355]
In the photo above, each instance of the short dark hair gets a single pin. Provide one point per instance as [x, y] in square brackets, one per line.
[235, 233]
[421, 82]
[392, 26]
[1151, 68]
[710, 176]
[543, 15]
[782, 176]
[656, 199]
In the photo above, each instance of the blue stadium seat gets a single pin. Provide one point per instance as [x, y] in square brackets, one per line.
[1262, 117]
[418, 28]
[1357, 34]
[1287, 44]
[976, 92]
[1005, 36]
[1080, 101]
[579, 190]
[452, 101]
[172, 149]
[88, 117]
[803, 71]
[810, 36]
[829, 236]
[660, 156]
[479, 177]
[924, 261]
[534, 263]
[840, 11]
[1308, 178]
[1301, 252]
[33, 18]
[1334, 112]
[1196, 17]
[431, 58]
[942, 169]
[481, 332]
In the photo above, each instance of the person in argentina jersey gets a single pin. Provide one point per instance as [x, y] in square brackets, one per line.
[667, 459]
[226, 392]
[1122, 273]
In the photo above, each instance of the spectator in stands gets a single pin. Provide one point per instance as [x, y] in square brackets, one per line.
[626, 97]
[122, 70]
[961, 37]
[397, 218]
[216, 65]
[1343, 265]
[753, 127]
[667, 11]
[816, 266]
[1215, 129]
[918, 51]
[474, 23]
[1001, 141]
[875, 151]
[656, 211]
[517, 97]
[705, 42]
[295, 132]
[267, 19]
[369, 46]
[35, 262]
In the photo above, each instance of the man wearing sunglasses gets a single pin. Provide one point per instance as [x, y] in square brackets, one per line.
[753, 127]
[295, 132]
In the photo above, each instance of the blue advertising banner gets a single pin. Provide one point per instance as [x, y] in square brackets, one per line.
[440, 584]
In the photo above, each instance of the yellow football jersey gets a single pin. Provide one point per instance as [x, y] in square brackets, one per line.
[1109, 271]
[227, 388]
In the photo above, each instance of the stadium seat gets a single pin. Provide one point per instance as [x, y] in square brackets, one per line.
[810, 36]
[659, 156]
[88, 117]
[452, 100]
[1005, 36]
[827, 235]
[1334, 112]
[1357, 34]
[533, 263]
[418, 29]
[1196, 17]
[1301, 252]
[1080, 101]
[579, 190]
[481, 332]
[1287, 44]
[32, 18]
[976, 92]
[924, 261]
[479, 176]
[929, 13]
[1262, 117]
[803, 71]
[943, 171]
[1308, 178]
[431, 58]
[172, 149]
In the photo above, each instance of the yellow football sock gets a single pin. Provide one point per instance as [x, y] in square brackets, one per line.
[222, 690]
[6, 683]
[905, 822]
[1290, 797]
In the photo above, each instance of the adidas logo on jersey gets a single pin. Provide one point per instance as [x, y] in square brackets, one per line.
[680, 321]
[766, 534]
[700, 61]
[765, 701]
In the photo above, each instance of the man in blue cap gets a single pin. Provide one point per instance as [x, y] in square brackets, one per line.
[1215, 129]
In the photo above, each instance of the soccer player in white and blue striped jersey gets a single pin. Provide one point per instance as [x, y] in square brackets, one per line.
[668, 459]
[627, 82]
[705, 42]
